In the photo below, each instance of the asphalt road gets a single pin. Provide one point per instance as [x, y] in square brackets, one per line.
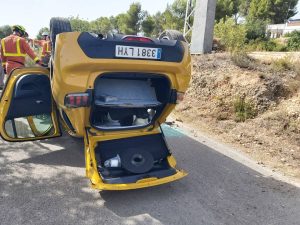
[43, 183]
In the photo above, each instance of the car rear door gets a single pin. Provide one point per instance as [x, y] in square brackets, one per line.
[27, 110]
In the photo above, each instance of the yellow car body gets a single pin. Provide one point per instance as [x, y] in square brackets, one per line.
[74, 71]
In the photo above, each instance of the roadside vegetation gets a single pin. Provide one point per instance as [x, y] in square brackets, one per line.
[248, 103]
[247, 20]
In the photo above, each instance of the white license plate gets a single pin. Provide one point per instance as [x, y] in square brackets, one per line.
[137, 52]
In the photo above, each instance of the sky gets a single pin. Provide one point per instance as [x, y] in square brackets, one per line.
[35, 14]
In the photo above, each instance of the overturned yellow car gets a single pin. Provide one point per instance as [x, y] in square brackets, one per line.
[114, 91]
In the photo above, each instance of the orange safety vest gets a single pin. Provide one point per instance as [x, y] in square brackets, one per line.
[13, 52]
[46, 48]
[39, 42]
[17, 53]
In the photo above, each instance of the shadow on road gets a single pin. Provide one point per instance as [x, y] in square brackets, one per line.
[218, 190]
[71, 154]
[43, 183]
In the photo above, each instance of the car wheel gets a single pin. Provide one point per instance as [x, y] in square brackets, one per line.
[58, 25]
[172, 35]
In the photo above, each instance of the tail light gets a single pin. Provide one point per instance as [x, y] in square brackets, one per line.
[138, 39]
[77, 100]
[180, 97]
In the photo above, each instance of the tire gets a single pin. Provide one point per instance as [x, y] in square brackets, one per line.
[58, 25]
[136, 161]
[172, 35]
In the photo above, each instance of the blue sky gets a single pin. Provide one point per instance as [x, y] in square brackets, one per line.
[34, 14]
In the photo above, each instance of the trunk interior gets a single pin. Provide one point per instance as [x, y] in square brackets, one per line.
[128, 160]
[128, 100]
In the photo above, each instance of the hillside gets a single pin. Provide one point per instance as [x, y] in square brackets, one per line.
[256, 107]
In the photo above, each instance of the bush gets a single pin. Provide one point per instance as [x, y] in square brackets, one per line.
[294, 41]
[255, 29]
[231, 35]
[262, 44]
[241, 59]
[243, 109]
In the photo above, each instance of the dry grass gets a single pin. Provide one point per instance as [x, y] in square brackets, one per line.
[282, 64]
[242, 60]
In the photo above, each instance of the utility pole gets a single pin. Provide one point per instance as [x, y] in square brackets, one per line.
[203, 27]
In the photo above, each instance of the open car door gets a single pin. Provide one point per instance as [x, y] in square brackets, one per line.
[27, 111]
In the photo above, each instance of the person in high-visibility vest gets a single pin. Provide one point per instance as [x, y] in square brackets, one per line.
[14, 49]
[40, 43]
[46, 51]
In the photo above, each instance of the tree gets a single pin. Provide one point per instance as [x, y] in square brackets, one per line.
[134, 18]
[78, 24]
[5, 31]
[244, 7]
[102, 25]
[228, 8]
[173, 17]
[158, 24]
[276, 11]
[120, 23]
[148, 25]
[42, 30]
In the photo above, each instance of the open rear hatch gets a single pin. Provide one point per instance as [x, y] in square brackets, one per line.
[129, 160]
[132, 150]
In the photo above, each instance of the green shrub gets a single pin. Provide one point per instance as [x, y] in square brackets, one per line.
[255, 29]
[231, 35]
[294, 41]
[243, 109]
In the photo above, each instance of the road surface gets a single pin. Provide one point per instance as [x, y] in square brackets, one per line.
[43, 183]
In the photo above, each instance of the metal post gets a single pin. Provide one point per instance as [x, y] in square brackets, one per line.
[203, 27]
[189, 12]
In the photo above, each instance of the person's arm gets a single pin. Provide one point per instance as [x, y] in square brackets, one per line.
[29, 51]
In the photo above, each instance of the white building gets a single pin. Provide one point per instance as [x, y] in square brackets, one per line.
[278, 30]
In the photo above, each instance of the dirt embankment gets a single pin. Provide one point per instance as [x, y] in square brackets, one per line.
[256, 109]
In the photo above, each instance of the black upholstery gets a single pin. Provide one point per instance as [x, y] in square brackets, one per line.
[155, 144]
[31, 96]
